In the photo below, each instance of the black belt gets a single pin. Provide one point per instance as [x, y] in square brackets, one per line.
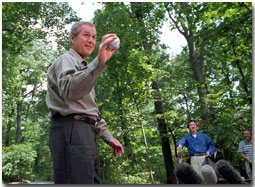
[80, 117]
[199, 154]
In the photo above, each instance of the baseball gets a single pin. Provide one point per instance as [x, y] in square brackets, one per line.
[115, 43]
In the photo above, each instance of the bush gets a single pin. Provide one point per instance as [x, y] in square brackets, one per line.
[139, 178]
[17, 162]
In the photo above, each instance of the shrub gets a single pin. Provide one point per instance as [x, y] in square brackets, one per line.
[17, 162]
[138, 178]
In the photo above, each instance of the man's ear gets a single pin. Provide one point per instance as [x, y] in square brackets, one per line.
[72, 37]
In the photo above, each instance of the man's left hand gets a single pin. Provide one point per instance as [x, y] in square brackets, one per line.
[117, 147]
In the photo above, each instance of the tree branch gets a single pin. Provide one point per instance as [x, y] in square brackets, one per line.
[175, 22]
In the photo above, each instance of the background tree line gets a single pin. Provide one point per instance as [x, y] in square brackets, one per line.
[146, 96]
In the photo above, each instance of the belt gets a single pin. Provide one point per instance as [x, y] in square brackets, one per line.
[80, 117]
[199, 154]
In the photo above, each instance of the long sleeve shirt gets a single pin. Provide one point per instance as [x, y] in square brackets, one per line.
[70, 88]
[201, 144]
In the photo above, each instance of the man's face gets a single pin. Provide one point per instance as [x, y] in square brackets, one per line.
[247, 135]
[193, 127]
[84, 43]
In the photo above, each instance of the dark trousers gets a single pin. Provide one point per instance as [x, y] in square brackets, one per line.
[73, 149]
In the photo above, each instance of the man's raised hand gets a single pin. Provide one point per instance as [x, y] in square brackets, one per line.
[104, 53]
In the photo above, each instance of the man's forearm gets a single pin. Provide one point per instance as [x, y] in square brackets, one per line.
[82, 83]
[245, 157]
[103, 131]
[73, 84]
[181, 142]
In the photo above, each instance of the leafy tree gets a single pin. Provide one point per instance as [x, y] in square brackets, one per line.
[27, 29]
[217, 23]
[130, 71]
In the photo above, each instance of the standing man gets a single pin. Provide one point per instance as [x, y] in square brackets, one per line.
[199, 146]
[73, 110]
[245, 150]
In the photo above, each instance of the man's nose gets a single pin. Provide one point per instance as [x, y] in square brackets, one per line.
[90, 39]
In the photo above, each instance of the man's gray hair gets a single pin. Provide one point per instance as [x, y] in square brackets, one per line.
[76, 28]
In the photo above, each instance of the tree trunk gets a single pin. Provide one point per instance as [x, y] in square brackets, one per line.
[197, 69]
[196, 61]
[165, 144]
[9, 125]
[185, 97]
[7, 139]
[159, 108]
[36, 162]
[173, 137]
[228, 82]
[18, 131]
[243, 81]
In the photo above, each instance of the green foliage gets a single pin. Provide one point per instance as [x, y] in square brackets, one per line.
[28, 33]
[24, 22]
[17, 162]
[228, 77]
[138, 178]
[124, 90]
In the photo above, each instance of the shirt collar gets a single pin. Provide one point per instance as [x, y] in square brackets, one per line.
[192, 135]
[76, 56]
[249, 141]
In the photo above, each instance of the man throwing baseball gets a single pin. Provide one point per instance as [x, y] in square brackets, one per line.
[75, 118]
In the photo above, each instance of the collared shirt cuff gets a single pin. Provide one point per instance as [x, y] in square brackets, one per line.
[97, 66]
[107, 136]
[103, 131]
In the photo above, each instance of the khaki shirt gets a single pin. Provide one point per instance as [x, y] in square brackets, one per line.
[70, 88]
